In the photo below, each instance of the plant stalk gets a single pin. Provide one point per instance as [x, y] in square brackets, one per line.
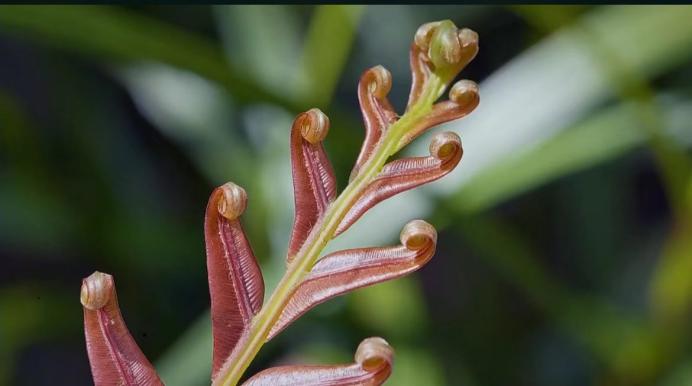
[322, 234]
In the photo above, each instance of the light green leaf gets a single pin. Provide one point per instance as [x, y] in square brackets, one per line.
[188, 361]
[111, 33]
[329, 39]
[265, 41]
[395, 308]
[603, 137]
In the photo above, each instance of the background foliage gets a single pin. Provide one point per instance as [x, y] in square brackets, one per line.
[565, 253]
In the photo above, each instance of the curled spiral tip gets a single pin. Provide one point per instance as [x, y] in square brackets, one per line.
[424, 34]
[233, 202]
[315, 126]
[445, 45]
[468, 37]
[465, 93]
[96, 290]
[445, 145]
[449, 47]
[418, 234]
[381, 81]
[372, 352]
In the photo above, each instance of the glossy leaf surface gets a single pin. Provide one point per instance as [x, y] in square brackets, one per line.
[347, 270]
[463, 99]
[378, 113]
[420, 69]
[373, 365]
[314, 184]
[235, 280]
[114, 356]
[407, 173]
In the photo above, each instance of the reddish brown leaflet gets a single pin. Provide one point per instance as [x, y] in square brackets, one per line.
[235, 281]
[407, 173]
[373, 364]
[314, 184]
[377, 112]
[114, 355]
[463, 99]
[344, 271]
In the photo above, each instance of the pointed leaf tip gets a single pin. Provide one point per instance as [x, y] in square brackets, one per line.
[345, 271]
[314, 184]
[374, 359]
[114, 356]
[236, 285]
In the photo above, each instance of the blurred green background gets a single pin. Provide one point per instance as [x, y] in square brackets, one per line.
[565, 254]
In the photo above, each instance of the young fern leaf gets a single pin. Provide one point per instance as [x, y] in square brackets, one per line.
[407, 173]
[314, 184]
[235, 281]
[378, 113]
[440, 48]
[345, 271]
[241, 324]
[373, 365]
[114, 355]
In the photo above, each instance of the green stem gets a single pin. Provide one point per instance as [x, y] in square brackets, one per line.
[322, 233]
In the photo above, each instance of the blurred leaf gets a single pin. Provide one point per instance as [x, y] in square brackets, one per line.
[32, 219]
[395, 308]
[603, 137]
[650, 39]
[34, 216]
[625, 342]
[263, 40]
[111, 33]
[681, 375]
[188, 361]
[559, 80]
[631, 84]
[37, 312]
[329, 39]
[15, 134]
[671, 286]
[320, 353]
[548, 18]
[414, 366]
[672, 279]
[195, 113]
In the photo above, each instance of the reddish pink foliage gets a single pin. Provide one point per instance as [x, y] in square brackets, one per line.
[378, 113]
[235, 281]
[314, 184]
[374, 359]
[407, 173]
[345, 271]
[114, 355]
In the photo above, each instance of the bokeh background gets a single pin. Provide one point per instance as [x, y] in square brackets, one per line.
[565, 254]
